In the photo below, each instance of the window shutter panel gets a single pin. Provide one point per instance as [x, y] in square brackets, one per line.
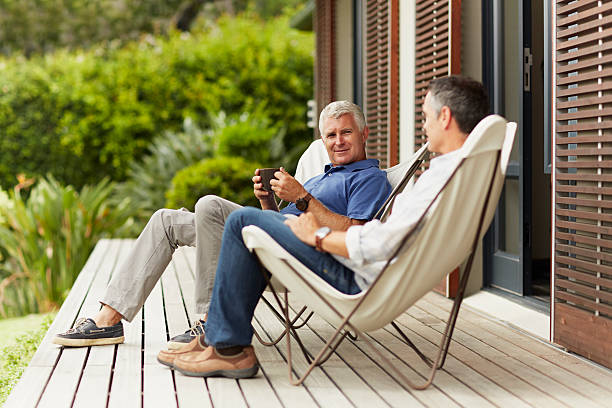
[438, 50]
[437, 54]
[382, 80]
[583, 178]
[325, 65]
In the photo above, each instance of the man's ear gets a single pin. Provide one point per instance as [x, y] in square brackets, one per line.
[365, 133]
[445, 117]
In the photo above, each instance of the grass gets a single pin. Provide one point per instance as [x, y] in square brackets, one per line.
[19, 339]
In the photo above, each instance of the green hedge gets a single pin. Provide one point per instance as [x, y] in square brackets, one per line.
[227, 177]
[85, 115]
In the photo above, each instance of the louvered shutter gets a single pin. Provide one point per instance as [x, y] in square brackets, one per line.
[325, 72]
[438, 50]
[438, 54]
[382, 80]
[583, 178]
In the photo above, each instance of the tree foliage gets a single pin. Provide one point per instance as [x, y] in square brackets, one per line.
[84, 115]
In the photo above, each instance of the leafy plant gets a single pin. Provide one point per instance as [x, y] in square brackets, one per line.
[47, 239]
[149, 178]
[227, 177]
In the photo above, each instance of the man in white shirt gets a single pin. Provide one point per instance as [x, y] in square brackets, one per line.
[349, 260]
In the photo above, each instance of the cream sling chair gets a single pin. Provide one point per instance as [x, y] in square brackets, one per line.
[311, 164]
[454, 222]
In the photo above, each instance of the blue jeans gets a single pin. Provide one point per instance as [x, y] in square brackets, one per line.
[239, 282]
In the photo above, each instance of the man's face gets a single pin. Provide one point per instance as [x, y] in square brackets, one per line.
[343, 141]
[433, 126]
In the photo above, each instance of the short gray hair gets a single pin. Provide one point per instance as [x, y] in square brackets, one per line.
[339, 108]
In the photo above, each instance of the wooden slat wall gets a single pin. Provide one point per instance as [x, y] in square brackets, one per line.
[325, 64]
[438, 53]
[583, 149]
[438, 50]
[382, 80]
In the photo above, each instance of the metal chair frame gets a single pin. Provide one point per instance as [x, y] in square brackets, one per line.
[338, 336]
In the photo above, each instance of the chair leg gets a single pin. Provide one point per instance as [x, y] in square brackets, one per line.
[423, 357]
[320, 358]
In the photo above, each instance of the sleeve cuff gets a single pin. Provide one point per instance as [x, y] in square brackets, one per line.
[352, 241]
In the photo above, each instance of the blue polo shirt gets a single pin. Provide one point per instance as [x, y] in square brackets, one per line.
[356, 190]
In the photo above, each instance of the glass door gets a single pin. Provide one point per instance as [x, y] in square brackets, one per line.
[507, 76]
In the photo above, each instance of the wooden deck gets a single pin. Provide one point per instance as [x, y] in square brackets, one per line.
[489, 364]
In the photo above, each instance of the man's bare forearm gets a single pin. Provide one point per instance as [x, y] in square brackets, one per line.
[330, 219]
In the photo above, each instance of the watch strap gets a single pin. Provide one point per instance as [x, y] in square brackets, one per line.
[303, 202]
[319, 240]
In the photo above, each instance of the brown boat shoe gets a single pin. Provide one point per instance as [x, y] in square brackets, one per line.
[167, 357]
[209, 363]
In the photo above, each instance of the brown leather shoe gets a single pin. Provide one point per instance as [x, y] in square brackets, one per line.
[167, 357]
[209, 363]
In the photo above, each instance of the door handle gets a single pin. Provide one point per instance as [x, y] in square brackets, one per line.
[527, 64]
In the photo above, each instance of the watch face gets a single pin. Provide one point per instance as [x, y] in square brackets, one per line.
[301, 204]
[323, 232]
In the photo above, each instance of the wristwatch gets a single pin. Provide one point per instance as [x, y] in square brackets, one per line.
[302, 203]
[319, 235]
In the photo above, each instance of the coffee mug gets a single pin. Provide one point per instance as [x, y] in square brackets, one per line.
[266, 175]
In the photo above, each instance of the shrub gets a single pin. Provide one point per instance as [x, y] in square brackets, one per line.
[227, 177]
[150, 178]
[250, 137]
[47, 238]
[15, 358]
[85, 115]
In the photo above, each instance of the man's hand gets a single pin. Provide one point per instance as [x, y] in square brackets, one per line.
[304, 227]
[265, 198]
[286, 187]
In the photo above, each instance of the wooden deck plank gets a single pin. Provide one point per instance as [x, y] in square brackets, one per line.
[95, 381]
[158, 387]
[469, 388]
[258, 392]
[190, 391]
[565, 386]
[428, 340]
[274, 367]
[126, 385]
[93, 389]
[225, 392]
[197, 396]
[357, 354]
[318, 384]
[564, 367]
[497, 372]
[489, 364]
[64, 381]
[173, 302]
[66, 378]
[184, 264]
[356, 380]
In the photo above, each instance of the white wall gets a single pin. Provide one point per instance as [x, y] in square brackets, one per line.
[344, 50]
[406, 78]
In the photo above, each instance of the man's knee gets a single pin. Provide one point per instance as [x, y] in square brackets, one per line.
[209, 207]
[159, 217]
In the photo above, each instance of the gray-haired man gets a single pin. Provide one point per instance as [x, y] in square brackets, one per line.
[349, 192]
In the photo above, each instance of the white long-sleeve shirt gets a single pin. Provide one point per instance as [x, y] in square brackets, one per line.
[372, 244]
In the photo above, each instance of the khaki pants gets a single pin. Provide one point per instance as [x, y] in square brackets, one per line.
[168, 229]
